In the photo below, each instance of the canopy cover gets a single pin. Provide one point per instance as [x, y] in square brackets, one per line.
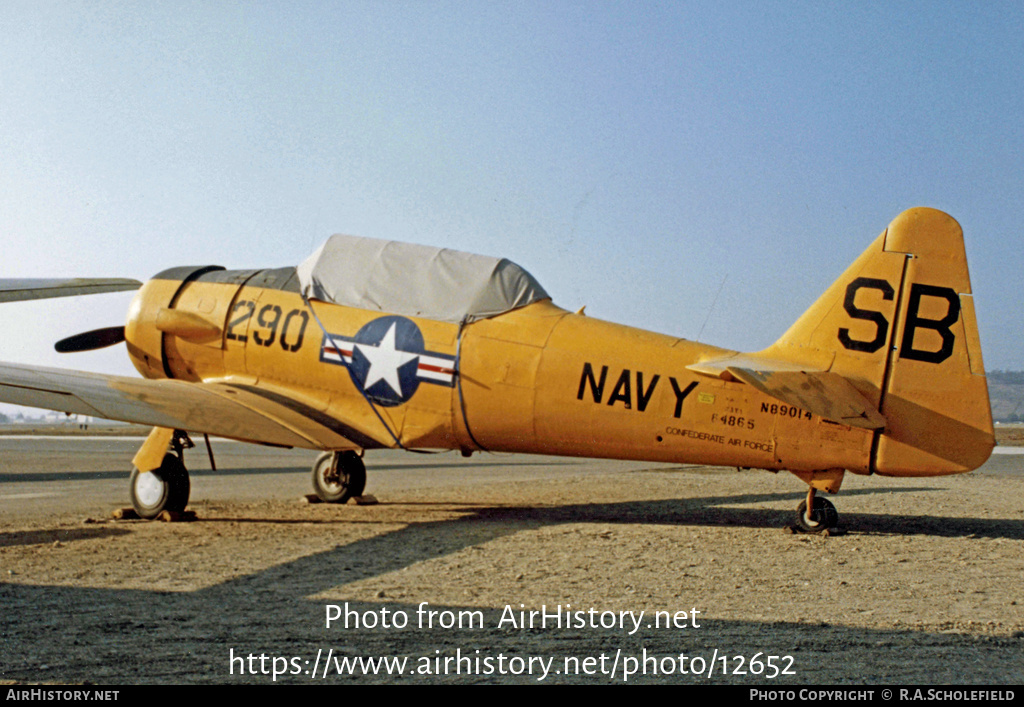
[415, 280]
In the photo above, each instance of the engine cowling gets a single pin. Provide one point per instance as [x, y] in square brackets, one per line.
[161, 312]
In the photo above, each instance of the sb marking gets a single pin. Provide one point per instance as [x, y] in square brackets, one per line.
[913, 319]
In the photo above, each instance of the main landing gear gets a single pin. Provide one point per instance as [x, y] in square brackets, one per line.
[338, 476]
[165, 488]
[822, 516]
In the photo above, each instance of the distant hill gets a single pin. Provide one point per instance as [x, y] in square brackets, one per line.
[1006, 391]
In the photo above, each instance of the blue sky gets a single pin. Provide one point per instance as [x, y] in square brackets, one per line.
[633, 156]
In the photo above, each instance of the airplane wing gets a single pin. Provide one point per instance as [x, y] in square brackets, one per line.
[26, 289]
[819, 392]
[226, 409]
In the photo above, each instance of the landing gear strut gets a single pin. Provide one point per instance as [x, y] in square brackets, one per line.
[165, 488]
[338, 476]
[822, 516]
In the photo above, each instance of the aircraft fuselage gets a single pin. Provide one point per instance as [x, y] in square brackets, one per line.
[538, 379]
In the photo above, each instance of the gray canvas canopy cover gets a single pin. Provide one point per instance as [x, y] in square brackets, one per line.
[415, 280]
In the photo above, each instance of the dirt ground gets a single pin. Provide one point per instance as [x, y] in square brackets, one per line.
[1010, 435]
[924, 587]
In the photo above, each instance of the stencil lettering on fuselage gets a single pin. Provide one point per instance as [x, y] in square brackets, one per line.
[594, 383]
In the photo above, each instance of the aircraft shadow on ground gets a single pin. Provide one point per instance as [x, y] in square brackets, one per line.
[61, 535]
[703, 511]
[150, 636]
[134, 636]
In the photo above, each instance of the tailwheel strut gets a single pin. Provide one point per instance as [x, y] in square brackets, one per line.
[816, 515]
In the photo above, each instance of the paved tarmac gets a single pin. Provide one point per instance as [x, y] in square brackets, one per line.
[89, 475]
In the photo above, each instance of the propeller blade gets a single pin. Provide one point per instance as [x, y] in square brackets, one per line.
[91, 340]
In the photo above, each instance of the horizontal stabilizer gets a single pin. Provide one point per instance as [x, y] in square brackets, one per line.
[819, 392]
[25, 289]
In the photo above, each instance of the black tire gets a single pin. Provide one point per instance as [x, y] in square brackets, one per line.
[164, 489]
[348, 480]
[823, 517]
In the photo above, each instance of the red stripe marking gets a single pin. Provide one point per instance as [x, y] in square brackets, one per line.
[436, 369]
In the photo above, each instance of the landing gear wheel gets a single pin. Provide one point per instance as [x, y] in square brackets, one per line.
[338, 476]
[823, 516]
[163, 489]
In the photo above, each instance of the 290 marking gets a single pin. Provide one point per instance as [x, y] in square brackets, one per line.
[268, 320]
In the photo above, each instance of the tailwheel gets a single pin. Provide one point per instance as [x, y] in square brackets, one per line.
[338, 476]
[165, 488]
[823, 515]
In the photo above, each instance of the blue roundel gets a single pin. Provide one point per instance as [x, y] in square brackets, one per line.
[385, 360]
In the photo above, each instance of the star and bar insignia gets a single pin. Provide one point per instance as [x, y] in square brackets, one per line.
[387, 360]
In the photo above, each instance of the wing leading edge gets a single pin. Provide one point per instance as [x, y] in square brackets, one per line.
[18, 290]
[224, 409]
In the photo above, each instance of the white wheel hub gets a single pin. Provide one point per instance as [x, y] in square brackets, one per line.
[149, 489]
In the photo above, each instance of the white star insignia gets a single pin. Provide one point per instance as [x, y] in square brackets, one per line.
[385, 360]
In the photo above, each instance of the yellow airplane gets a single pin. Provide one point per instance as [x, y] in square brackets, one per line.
[372, 344]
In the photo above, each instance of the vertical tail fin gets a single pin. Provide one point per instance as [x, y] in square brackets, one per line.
[899, 324]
